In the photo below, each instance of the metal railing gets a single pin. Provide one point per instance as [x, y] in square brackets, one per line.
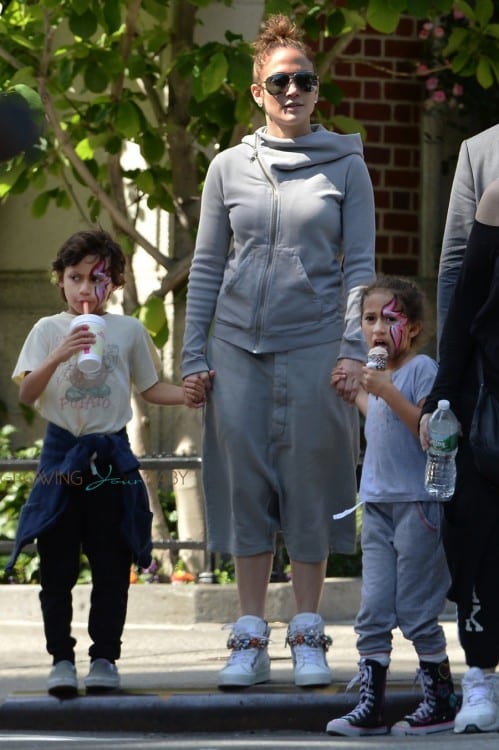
[168, 462]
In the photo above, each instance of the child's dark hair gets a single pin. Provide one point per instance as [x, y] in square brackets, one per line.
[410, 300]
[92, 242]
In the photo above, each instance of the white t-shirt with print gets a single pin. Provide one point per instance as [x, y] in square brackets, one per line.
[101, 403]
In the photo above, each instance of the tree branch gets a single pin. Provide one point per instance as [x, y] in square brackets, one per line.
[119, 219]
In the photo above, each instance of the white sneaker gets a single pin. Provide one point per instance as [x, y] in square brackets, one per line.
[308, 647]
[63, 681]
[249, 661]
[103, 676]
[480, 709]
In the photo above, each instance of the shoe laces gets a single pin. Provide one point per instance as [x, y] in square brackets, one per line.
[366, 693]
[427, 707]
[478, 691]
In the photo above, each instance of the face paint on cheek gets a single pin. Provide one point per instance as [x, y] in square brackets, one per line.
[103, 280]
[397, 329]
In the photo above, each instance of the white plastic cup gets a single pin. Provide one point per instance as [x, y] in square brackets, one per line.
[90, 358]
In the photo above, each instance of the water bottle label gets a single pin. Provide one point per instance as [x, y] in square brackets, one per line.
[444, 444]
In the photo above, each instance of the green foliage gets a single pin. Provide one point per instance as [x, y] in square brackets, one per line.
[152, 314]
[108, 84]
[461, 64]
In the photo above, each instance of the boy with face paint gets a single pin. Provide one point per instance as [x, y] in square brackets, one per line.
[405, 576]
[88, 495]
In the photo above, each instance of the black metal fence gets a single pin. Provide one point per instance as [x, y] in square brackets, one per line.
[169, 462]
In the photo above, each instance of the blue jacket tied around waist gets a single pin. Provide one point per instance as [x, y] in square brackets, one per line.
[63, 454]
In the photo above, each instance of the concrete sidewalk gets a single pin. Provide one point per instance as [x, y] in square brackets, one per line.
[169, 668]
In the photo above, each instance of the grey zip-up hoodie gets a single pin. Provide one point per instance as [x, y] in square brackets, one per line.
[285, 240]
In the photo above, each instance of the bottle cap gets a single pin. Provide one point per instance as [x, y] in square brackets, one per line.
[444, 404]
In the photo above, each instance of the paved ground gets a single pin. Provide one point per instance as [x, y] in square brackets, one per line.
[169, 680]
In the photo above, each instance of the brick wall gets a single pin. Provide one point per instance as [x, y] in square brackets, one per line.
[376, 76]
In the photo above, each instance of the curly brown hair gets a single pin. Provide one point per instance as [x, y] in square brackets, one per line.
[277, 31]
[95, 242]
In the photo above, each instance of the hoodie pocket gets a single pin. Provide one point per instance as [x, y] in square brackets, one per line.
[291, 301]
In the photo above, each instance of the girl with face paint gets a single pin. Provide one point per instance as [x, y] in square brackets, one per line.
[405, 575]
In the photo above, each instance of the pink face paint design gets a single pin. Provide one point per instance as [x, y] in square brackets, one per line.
[102, 280]
[397, 329]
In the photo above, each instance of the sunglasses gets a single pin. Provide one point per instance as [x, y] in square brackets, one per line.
[279, 82]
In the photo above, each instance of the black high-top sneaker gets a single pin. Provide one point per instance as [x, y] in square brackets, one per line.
[367, 716]
[437, 710]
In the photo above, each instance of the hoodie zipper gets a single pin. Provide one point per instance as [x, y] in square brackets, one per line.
[270, 255]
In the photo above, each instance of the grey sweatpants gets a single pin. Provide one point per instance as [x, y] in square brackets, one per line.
[405, 577]
[279, 453]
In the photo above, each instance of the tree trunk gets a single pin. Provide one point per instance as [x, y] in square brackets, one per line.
[186, 423]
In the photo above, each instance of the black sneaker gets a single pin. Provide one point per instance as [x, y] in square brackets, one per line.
[437, 710]
[366, 718]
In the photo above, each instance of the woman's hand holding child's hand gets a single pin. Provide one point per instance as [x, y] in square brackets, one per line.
[196, 387]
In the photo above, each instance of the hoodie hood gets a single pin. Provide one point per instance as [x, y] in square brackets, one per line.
[317, 147]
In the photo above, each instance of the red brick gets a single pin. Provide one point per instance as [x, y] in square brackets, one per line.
[403, 49]
[373, 90]
[381, 197]
[364, 70]
[402, 136]
[401, 200]
[404, 91]
[401, 178]
[371, 111]
[375, 177]
[377, 155]
[342, 69]
[399, 266]
[401, 222]
[381, 245]
[351, 87]
[373, 47]
[402, 157]
[407, 27]
[374, 134]
[409, 114]
[402, 245]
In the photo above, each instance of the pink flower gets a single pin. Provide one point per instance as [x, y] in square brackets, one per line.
[425, 30]
[422, 69]
[457, 90]
[438, 32]
[439, 96]
[431, 83]
[457, 14]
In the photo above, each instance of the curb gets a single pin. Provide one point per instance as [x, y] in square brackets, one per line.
[191, 712]
[187, 604]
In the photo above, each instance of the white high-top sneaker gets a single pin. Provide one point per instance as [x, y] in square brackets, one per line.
[480, 709]
[308, 647]
[249, 661]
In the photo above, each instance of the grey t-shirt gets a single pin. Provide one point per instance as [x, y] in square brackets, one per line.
[394, 462]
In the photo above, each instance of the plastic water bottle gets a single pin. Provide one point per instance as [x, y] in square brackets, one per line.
[440, 475]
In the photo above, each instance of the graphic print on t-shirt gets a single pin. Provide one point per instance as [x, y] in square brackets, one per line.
[92, 389]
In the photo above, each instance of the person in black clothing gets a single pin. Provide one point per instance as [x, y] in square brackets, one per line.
[471, 529]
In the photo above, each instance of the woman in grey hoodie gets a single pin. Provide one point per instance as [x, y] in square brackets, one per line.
[285, 242]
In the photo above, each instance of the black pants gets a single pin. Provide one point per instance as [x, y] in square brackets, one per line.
[91, 524]
[471, 539]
